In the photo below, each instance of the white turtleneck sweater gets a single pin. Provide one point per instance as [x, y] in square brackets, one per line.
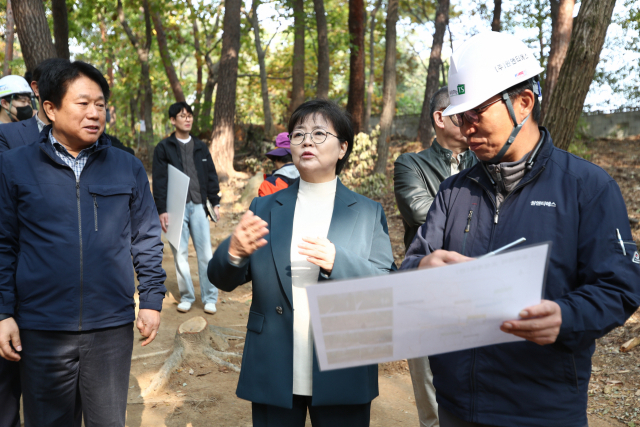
[312, 218]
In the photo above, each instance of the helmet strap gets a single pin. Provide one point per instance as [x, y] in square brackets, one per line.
[516, 128]
[9, 114]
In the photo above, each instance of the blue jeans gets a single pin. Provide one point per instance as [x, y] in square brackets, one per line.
[195, 224]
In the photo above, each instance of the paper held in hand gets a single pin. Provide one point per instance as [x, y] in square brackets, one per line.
[177, 189]
[424, 312]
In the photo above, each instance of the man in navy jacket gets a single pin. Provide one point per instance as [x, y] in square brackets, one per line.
[73, 214]
[528, 188]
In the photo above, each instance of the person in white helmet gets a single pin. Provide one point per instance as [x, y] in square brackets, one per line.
[526, 187]
[15, 99]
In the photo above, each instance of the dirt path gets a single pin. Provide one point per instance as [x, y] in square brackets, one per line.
[207, 396]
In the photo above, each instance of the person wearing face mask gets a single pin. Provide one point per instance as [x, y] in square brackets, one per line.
[15, 99]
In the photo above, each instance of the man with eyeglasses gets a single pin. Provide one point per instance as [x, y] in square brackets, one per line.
[526, 187]
[15, 99]
[416, 178]
[191, 156]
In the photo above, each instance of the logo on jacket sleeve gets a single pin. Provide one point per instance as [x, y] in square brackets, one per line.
[636, 258]
[540, 203]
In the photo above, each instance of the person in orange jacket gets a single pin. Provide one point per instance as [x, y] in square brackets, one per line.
[285, 173]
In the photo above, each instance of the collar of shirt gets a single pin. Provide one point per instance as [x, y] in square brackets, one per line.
[40, 123]
[75, 163]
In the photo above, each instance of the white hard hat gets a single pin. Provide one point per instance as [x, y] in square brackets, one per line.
[486, 65]
[10, 85]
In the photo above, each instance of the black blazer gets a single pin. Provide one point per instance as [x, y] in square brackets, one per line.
[359, 232]
[17, 134]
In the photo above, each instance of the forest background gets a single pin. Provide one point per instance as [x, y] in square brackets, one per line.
[245, 65]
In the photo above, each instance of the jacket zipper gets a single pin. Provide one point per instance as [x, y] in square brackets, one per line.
[95, 211]
[466, 232]
[496, 217]
[79, 228]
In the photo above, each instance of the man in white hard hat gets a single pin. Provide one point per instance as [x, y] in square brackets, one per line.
[15, 99]
[526, 187]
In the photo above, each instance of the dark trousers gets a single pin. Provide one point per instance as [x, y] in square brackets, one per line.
[321, 416]
[9, 393]
[67, 373]
[447, 419]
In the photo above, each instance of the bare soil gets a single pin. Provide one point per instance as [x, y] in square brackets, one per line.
[201, 393]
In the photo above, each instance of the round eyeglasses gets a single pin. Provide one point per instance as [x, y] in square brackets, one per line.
[472, 116]
[318, 136]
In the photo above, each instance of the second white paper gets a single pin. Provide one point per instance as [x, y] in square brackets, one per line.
[424, 312]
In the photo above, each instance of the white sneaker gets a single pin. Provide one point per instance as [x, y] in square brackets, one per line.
[183, 307]
[210, 308]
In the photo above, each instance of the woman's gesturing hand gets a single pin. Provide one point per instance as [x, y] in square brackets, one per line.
[248, 236]
[319, 251]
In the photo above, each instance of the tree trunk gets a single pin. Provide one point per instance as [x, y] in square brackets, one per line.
[161, 36]
[8, 48]
[367, 113]
[578, 69]
[355, 103]
[212, 80]
[297, 80]
[143, 57]
[388, 88]
[199, 66]
[562, 24]
[323, 50]
[60, 27]
[252, 16]
[33, 32]
[497, 11]
[425, 130]
[224, 113]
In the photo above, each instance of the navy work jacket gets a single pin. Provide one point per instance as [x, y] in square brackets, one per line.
[359, 232]
[578, 207]
[66, 245]
[17, 134]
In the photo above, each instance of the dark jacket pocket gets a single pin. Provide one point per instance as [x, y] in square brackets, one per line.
[109, 191]
[256, 320]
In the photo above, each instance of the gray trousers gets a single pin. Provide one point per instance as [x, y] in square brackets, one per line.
[424, 391]
[67, 374]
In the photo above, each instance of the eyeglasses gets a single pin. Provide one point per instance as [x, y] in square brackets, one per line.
[185, 117]
[318, 136]
[472, 116]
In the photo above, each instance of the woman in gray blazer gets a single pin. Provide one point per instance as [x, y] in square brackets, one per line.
[315, 230]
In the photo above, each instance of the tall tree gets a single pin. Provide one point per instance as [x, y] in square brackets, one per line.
[199, 65]
[561, 26]
[497, 11]
[297, 77]
[161, 36]
[252, 17]
[8, 47]
[60, 27]
[322, 90]
[224, 113]
[578, 69]
[388, 88]
[425, 130]
[142, 49]
[33, 32]
[372, 26]
[355, 103]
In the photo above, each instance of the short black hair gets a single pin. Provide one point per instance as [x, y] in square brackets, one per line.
[176, 108]
[45, 65]
[439, 101]
[55, 80]
[332, 113]
[284, 159]
[516, 90]
[28, 76]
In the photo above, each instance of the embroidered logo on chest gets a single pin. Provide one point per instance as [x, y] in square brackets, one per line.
[636, 258]
[545, 204]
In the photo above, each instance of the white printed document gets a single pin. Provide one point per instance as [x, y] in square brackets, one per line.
[177, 190]
[424, 312]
